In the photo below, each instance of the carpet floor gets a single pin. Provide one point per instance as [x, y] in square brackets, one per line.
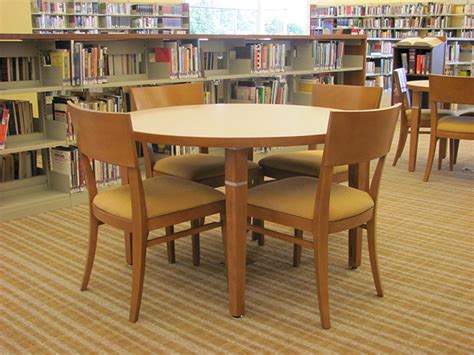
[426, 253]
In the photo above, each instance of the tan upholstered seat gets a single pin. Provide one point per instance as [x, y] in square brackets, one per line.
[195, 166]
[425, 116]
[463, 124]
[295, 196]
[284, 165]
[305, 162]
[163, 195]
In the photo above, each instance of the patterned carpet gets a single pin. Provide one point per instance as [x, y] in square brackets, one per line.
[426, 253]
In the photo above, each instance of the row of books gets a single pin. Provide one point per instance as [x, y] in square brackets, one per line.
[83, 22]
[271, 91]
[215, 60]
[65, 161]
[453, 51]
[79, 64]
[48, 6]
[416, 9]
[97, 102]
[379, 48]
[19, 166]
[49, 22]
[175, 10]
[305, 83]
[155, 22]
[384, 82]
[415, 63]
[380, 66]
[114, 22]
[20, 116]
[327, 55]
[145, 9]
[214, 92]
[124, 64]
[18, 69]
[83, 7]
[264, 57]
[183, 59]
[115, 8]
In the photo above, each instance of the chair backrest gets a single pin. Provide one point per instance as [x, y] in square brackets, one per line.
[346, 97]
[354, 137]
[452, 89]
[401, 87]
[104, 136]
[108, 137]
[144, 98]
[359, 136]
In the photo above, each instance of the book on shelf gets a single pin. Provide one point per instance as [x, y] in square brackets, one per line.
[19, 166]
[183, 59]
[264, 91]
[21, 116]
[264, 57]
[17, 69]
[305, 83]
[4, 116]
[327, 55]
[428, 42]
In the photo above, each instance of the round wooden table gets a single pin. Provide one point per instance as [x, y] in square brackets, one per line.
[235, 127]
[418, 87]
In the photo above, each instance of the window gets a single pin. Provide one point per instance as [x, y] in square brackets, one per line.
[249, 17]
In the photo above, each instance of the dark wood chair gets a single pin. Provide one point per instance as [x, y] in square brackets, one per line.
[137, 207]
[321, 206]
[202, 168]
[449, 90]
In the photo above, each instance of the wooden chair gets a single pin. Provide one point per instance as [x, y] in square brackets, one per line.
[138, 207]
[321, 206]
[307, 163]
[203, 168]
[443, 90]
[403, 97]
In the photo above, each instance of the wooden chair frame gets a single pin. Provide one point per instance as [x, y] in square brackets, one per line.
[353, 138]
[447, 90]
[143, 98]
[114, 132]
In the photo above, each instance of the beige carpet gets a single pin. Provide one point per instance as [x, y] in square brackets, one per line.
[426, 253]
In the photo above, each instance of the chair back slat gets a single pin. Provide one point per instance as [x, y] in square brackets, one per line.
[359, 136]
[452, 89]
[400, 81]
[346, 97]
[144, 98]
[104, 136]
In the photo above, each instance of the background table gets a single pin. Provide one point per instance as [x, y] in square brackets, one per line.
[236, 127]
[418, 87]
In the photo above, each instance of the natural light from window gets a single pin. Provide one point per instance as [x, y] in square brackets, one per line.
[276, 17]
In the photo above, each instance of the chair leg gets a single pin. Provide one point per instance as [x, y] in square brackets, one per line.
[442, 152]
[258, 222]
[128, 247]
[196, 243]
[297, 249]
[170, 246]
[138, 273]
[431, 154]
[93, 234]
[321, 271]
[456, 149]
[372, 241]
[452, 153]
[401, 141]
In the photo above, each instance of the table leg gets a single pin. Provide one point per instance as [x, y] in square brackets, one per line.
[236, 176]
[358, 177]
[414, 127]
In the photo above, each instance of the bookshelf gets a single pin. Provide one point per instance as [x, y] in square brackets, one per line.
[386, 24]
[96, 69]
[105, 16]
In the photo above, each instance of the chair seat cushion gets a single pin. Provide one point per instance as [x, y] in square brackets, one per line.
[163, 195]
[195, 166]
[305, 162]
[426, 114]
[296, 196]
[459, 124]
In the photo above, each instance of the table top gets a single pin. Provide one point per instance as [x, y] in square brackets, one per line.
[419, 85]
[232, 125]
